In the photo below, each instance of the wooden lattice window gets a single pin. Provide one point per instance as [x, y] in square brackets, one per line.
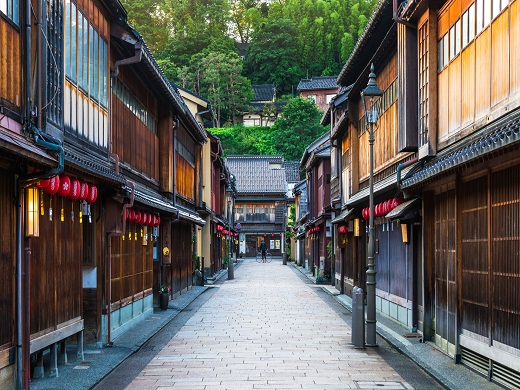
[423, 84]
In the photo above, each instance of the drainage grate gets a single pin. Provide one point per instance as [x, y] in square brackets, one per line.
[505, 376]
[475, 361]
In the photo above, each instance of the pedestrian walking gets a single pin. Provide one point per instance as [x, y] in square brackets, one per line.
[263, 249]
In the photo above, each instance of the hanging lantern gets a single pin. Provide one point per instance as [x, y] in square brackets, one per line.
[343, 229]
[43, 183]
[83, 191]
[396, 202]
[138, 216]
[144, 218]
[92, 194]
[54, 185]
[64, 187]
[131, 215]
[158, 220]
[75, 188]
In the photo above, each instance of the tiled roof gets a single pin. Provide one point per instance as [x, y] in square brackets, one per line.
[263, 92]
[324, 82]
[258, 174]
[497, 135]
[292, 171]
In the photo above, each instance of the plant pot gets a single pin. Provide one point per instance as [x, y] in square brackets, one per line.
[163, 300]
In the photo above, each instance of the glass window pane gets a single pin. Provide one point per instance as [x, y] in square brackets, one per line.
[80, 49]
[91, 62]
[73, 26]
[85, 54]
[471, 23]
[480, 15]
[67, 38]
[487, 12]
[457, 37]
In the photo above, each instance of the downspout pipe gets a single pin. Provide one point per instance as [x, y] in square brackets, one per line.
[23, 281]
[116, 233]
[130, 60]
[400, 167]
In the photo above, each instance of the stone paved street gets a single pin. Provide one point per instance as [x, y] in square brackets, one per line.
[267, 329]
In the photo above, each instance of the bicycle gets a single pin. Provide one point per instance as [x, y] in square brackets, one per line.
[268, 257]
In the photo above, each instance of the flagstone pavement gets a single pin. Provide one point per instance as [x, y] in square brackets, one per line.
[266, 329]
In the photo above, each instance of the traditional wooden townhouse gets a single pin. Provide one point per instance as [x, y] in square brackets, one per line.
[260, 204]
[292, 177]
[147, 114]
[301, 215]
[378, 152]
[88, 133]
[315, 163]
[466, 69]
[27, 154]
[214, 181]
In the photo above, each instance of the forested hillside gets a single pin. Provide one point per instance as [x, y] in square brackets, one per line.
[197, 42]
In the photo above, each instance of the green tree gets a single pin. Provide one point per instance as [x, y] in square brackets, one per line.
[150, 20]
[271, 55]
[298, 126]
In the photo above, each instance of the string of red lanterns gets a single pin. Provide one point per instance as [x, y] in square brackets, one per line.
[315, 229]
[66, 187]
[383, 208]
[142, 218]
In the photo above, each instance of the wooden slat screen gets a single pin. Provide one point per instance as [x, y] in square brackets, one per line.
[10, 65]
[475, 261]
[132, 265]
[7, 258]
[56, 266]
[505, 252]
[445, 265]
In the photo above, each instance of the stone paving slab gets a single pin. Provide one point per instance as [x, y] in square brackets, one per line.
[266, 329]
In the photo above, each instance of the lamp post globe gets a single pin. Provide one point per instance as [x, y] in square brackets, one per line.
[370, 97]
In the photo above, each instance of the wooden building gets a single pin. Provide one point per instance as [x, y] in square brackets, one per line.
[90, 151]
[315, 163]
[320, 90]
[301, 238]
[215, 176]
[260, 203]
[397, 255]
[466, 71]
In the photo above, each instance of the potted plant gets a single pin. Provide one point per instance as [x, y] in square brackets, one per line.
[164, 296]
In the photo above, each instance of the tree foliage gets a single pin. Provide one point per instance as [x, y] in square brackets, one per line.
[298, 126]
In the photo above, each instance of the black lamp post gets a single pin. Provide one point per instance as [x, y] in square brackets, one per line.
[230, 191]
[370, 98]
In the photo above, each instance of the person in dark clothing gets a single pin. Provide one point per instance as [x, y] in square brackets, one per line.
[263, 249]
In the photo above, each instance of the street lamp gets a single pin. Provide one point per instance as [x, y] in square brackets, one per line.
[230, 191]
[371, 105]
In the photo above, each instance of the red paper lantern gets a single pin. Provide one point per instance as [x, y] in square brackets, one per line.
[384, 209]
[158, 220]
[131, 215]
[75, 188]
[396, 202]
[365, 213]
[138, 217]
[64, 187]
[83, 191]
[92, 194]
[220, 228]
[43, 183]
[54, 185]
[343, 229]
[144, 219]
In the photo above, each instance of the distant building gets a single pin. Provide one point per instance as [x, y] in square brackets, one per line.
[260, 203]
[264, 110]
[319, 89]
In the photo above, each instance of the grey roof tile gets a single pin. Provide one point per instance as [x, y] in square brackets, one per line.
[323, 82]
[258, 174]
[263, 92]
